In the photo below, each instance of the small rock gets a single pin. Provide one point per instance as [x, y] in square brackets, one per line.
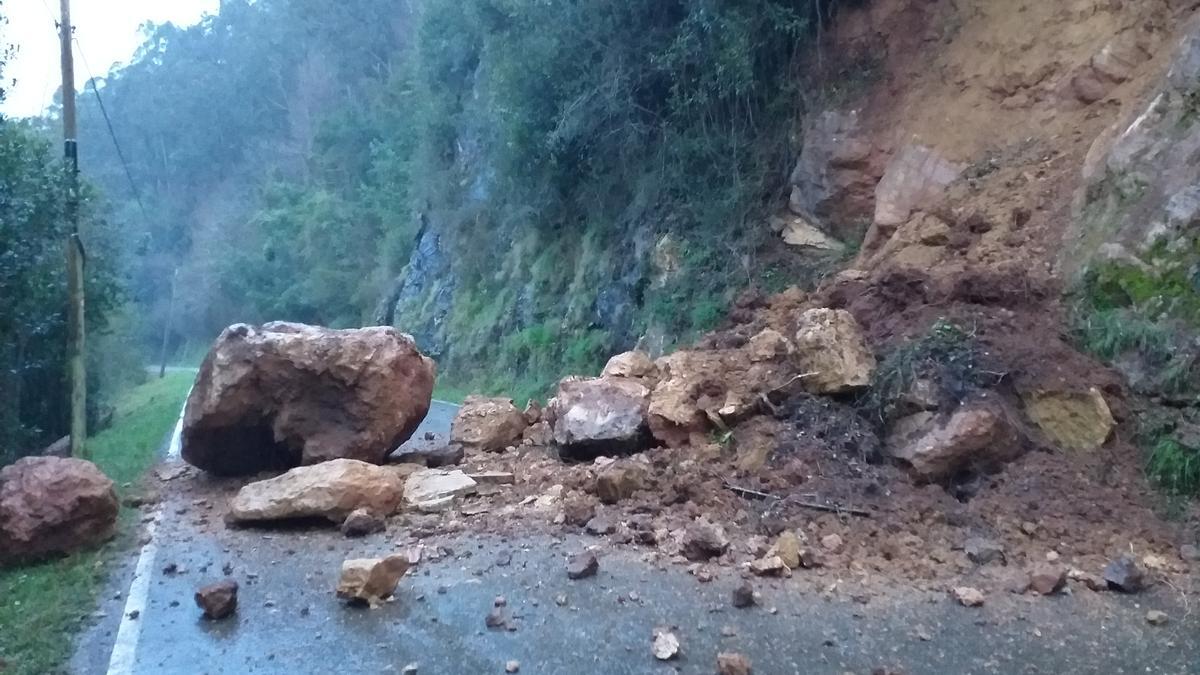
[432, 457]
[410, 669]
[1157, 618]
[984, 551]
[1029, 528]
[218, 600]
[1190, 553]
[832, 543]
[743, 595]
[497, 618]
[582, 565]
[371, 580]
[787, 547]
[493, 478]
[362, 522]
[728, 631]
[1123, 574]
[968, 597]
[1092, 581]
[771, 565]
[499, 601]
[619, 482]
[512, 666]
[732, 663]
[704, 540]
[599, 525]
[666, 645]
[560, 600]
[1047, 579]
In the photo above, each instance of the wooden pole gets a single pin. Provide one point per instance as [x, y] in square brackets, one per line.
[75, 253]
[162, 358]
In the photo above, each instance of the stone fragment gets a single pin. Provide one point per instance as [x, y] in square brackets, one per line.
[968, 597]
[362, 522]
[582, 565]
[431, 456]
[984, 551]
[512, 666]
[787, 547]
[636, 364]
[600, 525]
[218, 600]
[1073, 420]
[371, 580]
[703, 540]
[1157, 617]
[434, 489]
[330, 490]
[733, 663]
[769, 566]
[832, 352]
[743, 595]
[666, 645]
[975, 436]
[487, 424]
[1047, 579]
[618, 482]
[1123, 574]
[832, 543]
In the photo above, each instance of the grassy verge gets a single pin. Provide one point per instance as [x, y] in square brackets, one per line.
[42, 605]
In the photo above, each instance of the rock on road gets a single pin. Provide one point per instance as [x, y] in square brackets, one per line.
[289, 620]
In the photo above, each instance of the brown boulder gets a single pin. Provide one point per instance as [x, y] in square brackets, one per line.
[285, 394]
[488, 424]
[52, 505]
[330, 490]
[977, 436]
[832, 352]
[599, 416]
[218, 600]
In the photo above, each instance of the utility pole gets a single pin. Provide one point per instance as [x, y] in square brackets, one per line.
[75, 254]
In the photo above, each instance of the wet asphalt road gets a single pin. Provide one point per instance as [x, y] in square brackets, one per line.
[290, 622]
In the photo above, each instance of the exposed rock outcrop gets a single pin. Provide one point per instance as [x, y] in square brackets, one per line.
[54, 505]
[285, 394]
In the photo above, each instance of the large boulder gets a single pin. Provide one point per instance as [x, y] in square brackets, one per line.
[52, 505]
[977, 436]
[916, 179]
[286, 394]
[636, 364]
[330, 490]
[489, 424]
[599, 416]
[832, 353]
[835, 176]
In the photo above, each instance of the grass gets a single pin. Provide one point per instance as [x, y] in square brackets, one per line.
[43, 604]
[1174, 466]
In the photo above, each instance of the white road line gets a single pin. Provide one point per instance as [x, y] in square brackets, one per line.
[124, 653]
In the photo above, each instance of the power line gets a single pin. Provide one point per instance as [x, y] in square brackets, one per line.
[112, 134]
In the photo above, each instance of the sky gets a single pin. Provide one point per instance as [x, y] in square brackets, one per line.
[107, 33]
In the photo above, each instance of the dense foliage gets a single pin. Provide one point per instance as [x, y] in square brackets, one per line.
[33, 230]
[593, 172]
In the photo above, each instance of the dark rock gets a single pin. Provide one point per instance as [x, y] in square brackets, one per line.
[984, 551]
[498, 618]
[599, 525]
[582, 565]
[362, 522]
[1123, 574]
[218, 600]
[743, 595]
[432, 457]
[703, 540]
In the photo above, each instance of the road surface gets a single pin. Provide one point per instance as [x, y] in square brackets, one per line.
[289, 621]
